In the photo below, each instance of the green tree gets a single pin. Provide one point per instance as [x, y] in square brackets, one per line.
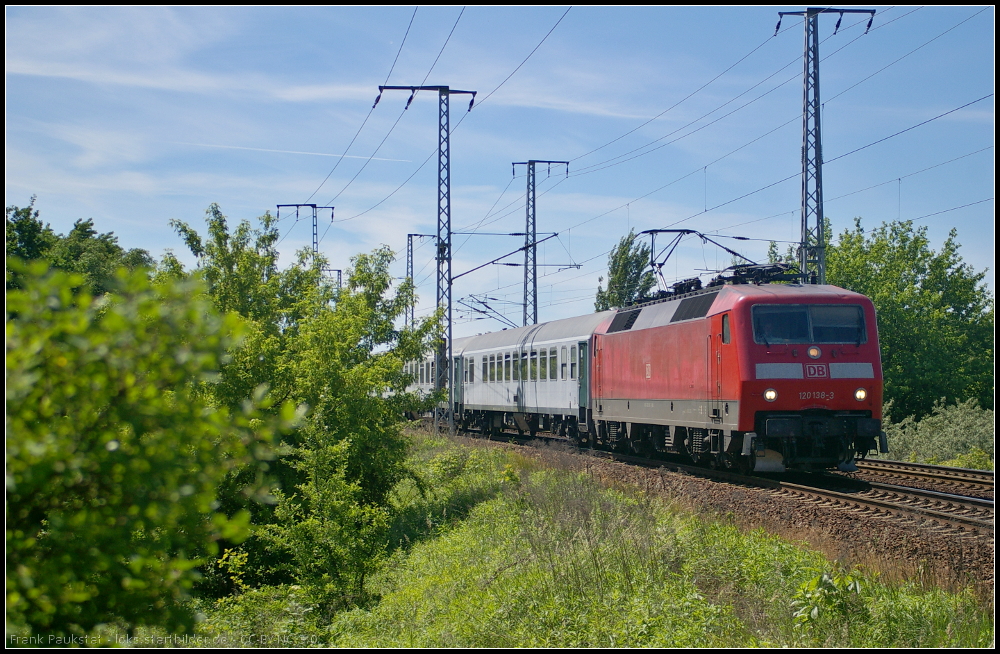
[95, 256]
[114, 450]
[344, 361]
[27, 237]
[935, 315]
[628, 277]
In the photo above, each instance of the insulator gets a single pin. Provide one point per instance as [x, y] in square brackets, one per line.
[412, 95]
[869, 23]
[377, 98]
[778, 26]
[837, 26]
[471, 101]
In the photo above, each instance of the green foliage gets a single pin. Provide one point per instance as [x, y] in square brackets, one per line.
[829, 595]
[27, 237]
[340, 357]
[628, 277]
[114, 452]
[271, 616]
[960, 435]
[935, 315]
[83, 250]
[546, 558]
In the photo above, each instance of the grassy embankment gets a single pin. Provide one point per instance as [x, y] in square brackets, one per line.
[497, 550]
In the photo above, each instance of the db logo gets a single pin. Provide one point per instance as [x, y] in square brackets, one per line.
[816, 370]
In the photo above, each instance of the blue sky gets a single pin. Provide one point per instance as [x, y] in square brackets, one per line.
[137, 116]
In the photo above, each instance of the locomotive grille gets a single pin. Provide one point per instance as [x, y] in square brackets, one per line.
[624, 321]
[694, 307]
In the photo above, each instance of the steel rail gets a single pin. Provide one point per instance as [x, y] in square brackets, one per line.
[851, 500]
[927, 471]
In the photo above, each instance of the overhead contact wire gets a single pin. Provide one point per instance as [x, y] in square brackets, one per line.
[420, 167]
[365, 121]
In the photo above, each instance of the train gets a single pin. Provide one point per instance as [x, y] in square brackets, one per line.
[753, 377]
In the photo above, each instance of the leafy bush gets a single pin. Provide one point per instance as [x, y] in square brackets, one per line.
[114, 454]
[959, 434]
[339, 355]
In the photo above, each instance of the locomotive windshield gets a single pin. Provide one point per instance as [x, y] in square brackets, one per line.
[808, 323]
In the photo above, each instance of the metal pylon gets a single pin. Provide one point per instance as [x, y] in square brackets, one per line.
[530, 316]
[444, 245]
[530, 253]
[315, 221]
[812, 247]
[443, 355]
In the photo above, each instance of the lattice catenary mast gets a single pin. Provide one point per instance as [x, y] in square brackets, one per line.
[444, 359]
[812, 248]
[530, 244]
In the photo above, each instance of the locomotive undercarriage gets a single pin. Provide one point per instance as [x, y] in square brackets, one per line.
[810, 440]
[817, 439]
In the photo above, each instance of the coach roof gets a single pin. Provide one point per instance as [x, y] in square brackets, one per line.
[579, 328]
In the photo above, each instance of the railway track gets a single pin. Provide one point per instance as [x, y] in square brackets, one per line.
[927, 507]
[979, 482]
[960, 512]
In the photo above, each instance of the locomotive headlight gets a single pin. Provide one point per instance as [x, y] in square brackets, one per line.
[814, 352]
[770, 395]
[860, 394]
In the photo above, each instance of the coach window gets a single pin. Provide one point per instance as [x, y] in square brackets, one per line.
[493, 368]
[543, 364]
[534, 365]
[553, 364]
[524, 366]
[725, 328]
[572, 362]
[486, 369]
[562, 363]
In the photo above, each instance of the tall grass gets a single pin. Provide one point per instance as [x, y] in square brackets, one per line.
[557, 560]
[493, 550]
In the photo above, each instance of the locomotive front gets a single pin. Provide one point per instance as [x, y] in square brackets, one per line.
[811, 377]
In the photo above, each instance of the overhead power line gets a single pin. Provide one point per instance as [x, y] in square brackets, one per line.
[424, 163]
[365, 121]
[403, 112]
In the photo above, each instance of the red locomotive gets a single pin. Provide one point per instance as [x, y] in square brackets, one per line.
[755, 377]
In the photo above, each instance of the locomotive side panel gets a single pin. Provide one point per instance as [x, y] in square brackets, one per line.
[657, 376]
